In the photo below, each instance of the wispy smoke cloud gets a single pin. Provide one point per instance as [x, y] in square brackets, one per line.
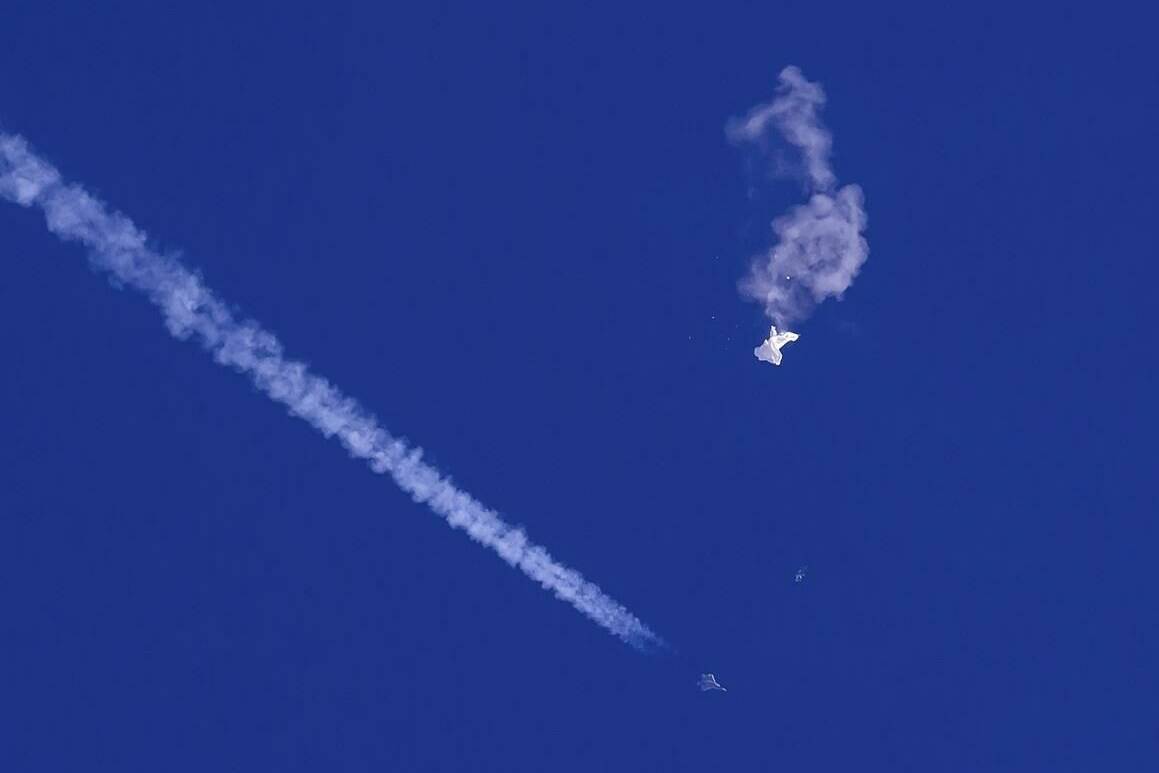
[191, 310]
[819, 247]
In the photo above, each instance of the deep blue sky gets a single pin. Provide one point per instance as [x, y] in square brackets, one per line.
[515, 235]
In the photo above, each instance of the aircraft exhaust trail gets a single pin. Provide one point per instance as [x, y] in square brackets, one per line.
[191, 310]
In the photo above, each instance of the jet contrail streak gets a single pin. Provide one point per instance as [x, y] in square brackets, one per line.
[191, 310]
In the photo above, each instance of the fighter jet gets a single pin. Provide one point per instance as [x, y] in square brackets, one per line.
[708, 682]
[770, 348]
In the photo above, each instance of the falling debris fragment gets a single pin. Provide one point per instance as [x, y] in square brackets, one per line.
[770, 348]
[708, 682]
[800, 575]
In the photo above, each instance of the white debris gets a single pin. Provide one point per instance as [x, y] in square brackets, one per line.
[708, 682]
[770, 348]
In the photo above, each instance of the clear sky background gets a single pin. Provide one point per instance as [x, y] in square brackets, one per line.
[515, 235]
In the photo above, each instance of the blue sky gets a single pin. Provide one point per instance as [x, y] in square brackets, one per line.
[515, 235]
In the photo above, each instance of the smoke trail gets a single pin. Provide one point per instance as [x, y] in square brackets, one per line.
[191, 310]
[819, 247]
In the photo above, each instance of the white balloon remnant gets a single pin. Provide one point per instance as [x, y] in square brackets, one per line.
[770, 348]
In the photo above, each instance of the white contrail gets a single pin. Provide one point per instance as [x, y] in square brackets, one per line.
[192, 310]
[820, 247]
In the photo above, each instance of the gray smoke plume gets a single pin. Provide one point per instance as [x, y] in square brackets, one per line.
[819, 245]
